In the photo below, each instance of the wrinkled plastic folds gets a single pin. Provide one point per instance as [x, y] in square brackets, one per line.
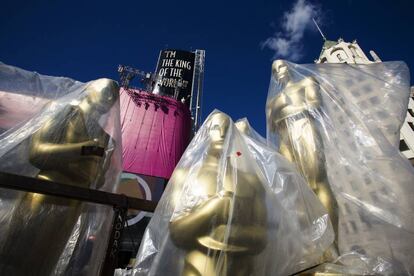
[358, 120]
[264, 219]
[46, 235]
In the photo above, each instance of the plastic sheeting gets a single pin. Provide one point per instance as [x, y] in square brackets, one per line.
[302, 238]
[342, 122]
[233, 207]
[68, 132]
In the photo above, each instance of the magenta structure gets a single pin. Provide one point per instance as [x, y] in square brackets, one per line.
[155, 132]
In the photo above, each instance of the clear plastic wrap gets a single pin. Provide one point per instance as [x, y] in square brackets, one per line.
[302, 237]
[339, 124]
[233, 207]
[66, 131]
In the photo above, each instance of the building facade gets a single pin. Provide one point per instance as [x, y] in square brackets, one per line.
[351, 53]
[359, 230]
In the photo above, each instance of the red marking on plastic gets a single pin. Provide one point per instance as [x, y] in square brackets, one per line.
[238, 153]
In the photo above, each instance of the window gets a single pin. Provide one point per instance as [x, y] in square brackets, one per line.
[411, 125]
[374, 196]
[353, 226]
[353, 51]
[358, 249]
[346, 228]
[364, 218]
[340, 54]
[355, 92]
[382, 114]
[374, 100]
[403, 146]
[411, 112]
[347, 209]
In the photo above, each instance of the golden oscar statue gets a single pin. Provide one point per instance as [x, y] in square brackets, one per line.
[223, 234]
[244, 128]
[291, 115]
[70, 148]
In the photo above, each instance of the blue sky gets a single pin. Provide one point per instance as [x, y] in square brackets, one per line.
[86, 40]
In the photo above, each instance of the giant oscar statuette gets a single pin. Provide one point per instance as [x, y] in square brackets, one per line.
[223, 234]
[291, 114]
[71, 148]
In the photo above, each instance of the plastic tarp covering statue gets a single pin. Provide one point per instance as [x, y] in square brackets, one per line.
[65, 131]
[233, 207]
[339, 124]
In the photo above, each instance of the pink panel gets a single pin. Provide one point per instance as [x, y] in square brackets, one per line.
[17, 108]
[155, 132]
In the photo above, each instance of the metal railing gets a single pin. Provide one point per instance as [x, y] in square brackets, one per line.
[120, 203]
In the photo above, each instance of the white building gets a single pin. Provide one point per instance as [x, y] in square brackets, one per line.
[359, 231]
[346, 52]
[407, 131]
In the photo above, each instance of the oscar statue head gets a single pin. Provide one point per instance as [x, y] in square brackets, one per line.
[218, 127]
[102, 94]
[243, 126]
[280, 71]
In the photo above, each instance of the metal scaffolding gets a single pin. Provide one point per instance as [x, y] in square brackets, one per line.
[120, 204]
[149, 80]
[197, 90]
[128, 73]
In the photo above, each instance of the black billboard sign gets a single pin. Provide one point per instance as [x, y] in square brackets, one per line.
[175, 70]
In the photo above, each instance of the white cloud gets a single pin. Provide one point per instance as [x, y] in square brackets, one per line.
[287, 43]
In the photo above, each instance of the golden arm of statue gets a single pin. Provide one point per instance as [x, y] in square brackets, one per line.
[106, 163]
[44, 153]
[276, 103]
[279, 102]
[251, 237]
[186, 228]
[312, 93]
[58, 152]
